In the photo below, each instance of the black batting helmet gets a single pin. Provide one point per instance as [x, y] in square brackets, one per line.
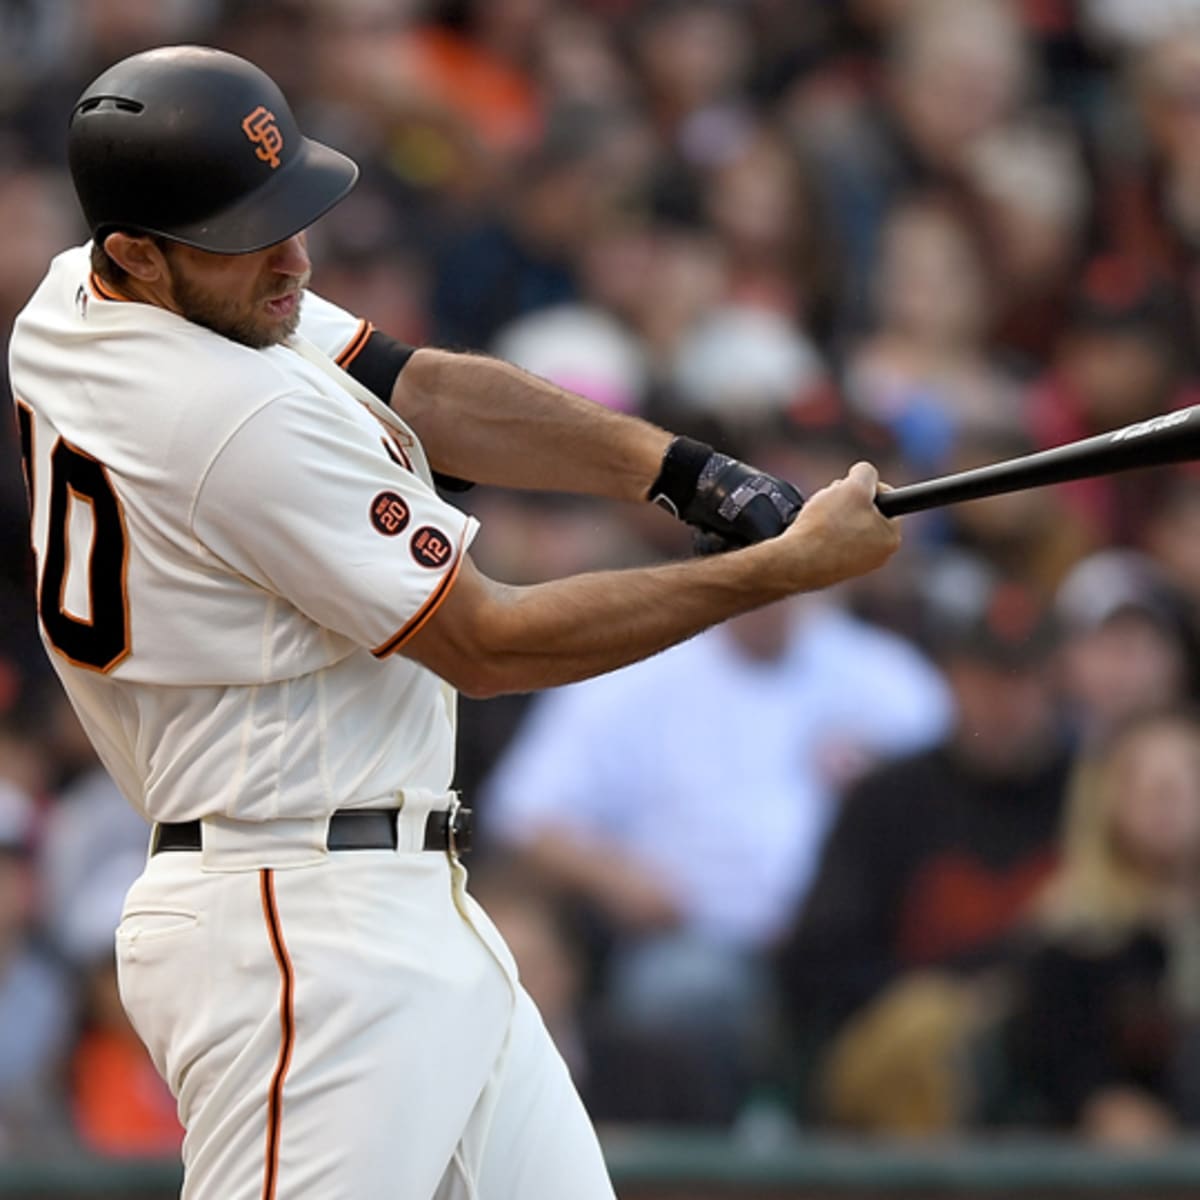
[199, 146]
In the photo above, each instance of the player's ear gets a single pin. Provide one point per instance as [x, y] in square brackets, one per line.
[138, 255]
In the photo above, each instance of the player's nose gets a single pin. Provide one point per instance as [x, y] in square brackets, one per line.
[290, 257]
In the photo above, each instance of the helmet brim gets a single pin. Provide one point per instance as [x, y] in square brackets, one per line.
[289, 201]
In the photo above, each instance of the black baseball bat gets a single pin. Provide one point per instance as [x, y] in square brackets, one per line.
[1171, 438]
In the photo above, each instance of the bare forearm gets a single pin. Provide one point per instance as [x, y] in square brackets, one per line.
[487, 638]
[573, 628]
[484, 420]
[501, 639]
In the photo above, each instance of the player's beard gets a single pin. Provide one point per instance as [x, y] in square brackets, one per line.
[247, 324]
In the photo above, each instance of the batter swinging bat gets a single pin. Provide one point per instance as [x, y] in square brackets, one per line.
[1171, 438]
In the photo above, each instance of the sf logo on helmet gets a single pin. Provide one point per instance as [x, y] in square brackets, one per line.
[259, 126]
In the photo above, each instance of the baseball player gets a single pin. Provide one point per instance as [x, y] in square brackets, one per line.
[260, 608]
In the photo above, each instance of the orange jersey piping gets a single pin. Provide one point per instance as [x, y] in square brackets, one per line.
[354, 346]
[418, 619]
[102, 290]
[287, 1024]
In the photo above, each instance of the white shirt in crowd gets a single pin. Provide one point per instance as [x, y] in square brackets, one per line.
[717, 771]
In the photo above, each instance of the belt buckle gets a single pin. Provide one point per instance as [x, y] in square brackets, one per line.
[458, 827]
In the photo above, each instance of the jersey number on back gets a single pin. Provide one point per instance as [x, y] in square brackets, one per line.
[100, 640]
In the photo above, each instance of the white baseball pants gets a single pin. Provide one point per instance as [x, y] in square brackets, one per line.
[343, 1025]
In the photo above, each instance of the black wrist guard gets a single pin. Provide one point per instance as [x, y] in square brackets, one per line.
[730, 503]
[675, 487]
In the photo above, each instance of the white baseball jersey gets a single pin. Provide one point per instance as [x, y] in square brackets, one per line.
[231, 548]
[232, 545]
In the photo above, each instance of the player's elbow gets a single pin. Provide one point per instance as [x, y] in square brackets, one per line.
[481, 679]
[484, 663]
[473, 642]
[465, 664]
[483, 674]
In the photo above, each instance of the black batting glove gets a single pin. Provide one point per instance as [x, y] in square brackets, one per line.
[728, 503]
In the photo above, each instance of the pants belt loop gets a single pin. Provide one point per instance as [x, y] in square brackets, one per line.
[415, 806]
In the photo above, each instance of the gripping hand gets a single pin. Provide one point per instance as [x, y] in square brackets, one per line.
[728, 503]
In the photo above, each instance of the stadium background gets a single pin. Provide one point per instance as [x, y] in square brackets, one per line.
[928, 232]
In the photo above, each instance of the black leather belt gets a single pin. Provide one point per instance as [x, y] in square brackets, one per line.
[349, 829]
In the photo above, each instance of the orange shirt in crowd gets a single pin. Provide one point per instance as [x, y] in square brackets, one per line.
[121, 1106]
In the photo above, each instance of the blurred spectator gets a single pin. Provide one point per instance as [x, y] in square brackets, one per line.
[622, 1074]
[119, 1104]
[530, 539]
[689, 827]
[932, 860]
[1031, 535]
[580, 63]
[35, 995]
[1119, 360]
[1107, 1030]
[1172, 538]
[89, 824]
[286, 37]
[37, 220]
[694, 58]
[1032, 196]
[1133, 23]
[1127, 646]
[481, 70]
[925, 371]
[959, 69]
[1152, 198]
[49, 48]
[955, 71]
[582, 348]
[111, 29]
[24, 762]
[520, 256]
[685, 278]
[740, 367]
[367, 258]
[763, 208]
[33, 39]
[451, 95]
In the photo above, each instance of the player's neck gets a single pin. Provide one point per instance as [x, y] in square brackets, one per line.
[157, 292]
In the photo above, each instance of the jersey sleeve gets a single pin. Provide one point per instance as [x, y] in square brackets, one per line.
[331, 327]
[361, 350]
[314, 504]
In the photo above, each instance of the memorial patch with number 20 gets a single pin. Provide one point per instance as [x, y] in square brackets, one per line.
[389, 513]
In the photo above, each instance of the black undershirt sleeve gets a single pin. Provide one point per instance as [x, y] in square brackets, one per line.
[377, 366]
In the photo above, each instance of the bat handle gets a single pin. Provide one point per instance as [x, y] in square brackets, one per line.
[899, 501]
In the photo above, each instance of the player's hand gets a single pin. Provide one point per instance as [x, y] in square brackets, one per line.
[840, 533]
[727, 502]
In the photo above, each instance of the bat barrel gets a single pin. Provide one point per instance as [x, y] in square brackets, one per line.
[1171, 438]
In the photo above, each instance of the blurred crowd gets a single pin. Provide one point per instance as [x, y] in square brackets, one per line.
[920, 855]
